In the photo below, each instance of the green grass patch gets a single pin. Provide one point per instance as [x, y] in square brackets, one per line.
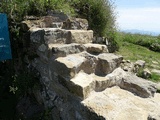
[155, 77]
[134, 52]
[150, 42]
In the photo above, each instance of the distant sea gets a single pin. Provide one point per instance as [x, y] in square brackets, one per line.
[134, 31]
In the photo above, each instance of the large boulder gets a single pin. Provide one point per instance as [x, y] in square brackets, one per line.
[117, 104]
[132, 83]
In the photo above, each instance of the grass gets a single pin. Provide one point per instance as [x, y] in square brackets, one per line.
[131, 51]
[155, 77]
[151, 42]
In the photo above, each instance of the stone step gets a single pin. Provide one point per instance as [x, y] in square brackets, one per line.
[96, 48]
[80, 36]
[101, 65]
[67, 67]
[53, 51]
[60, 36]
[82, 85]
[62, 50]
[107, 62]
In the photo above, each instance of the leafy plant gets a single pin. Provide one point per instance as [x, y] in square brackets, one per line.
[23, 82]
[100, 14]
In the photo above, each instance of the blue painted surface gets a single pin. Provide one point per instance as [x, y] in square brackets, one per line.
[5, 48]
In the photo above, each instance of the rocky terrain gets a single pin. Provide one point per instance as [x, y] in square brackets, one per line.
[81, 80]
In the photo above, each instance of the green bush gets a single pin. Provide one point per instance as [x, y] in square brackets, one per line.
[17, 9]
[100, 14]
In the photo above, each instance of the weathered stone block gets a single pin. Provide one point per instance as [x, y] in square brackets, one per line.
[132, 83]
[81, 36]
[56, 36]
[101, 83]
[81, 85]
[89, 66]
[117, 104]
[43, 22]
[37, 35]
[68, 66]
[75, 24]
[60, 36]
[96, 48]
[107, 63]
[49, 35]
[138, 86]
[140, 63]
[62, 50]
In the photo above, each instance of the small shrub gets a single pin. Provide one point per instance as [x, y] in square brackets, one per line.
[100, 14]
[155, 47]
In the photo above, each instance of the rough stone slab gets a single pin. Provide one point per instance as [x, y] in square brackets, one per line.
[140, 63]
[43, 22]
[75, 24]
[81, 36]
[89, 66]
[62, 50]
[132, 83]
[68, 66]
[49, 35]
[118, 104]
[107, 62]
[60, 36]
[56, 36]
[140, 87]
[96, 48]
[37, 35]
[101, 83]
[82, 85]
[72, 64]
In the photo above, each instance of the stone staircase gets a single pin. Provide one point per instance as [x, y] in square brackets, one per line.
[75, 58]
[68, 61]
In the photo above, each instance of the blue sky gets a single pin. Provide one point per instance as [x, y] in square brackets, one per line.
[138, 14]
